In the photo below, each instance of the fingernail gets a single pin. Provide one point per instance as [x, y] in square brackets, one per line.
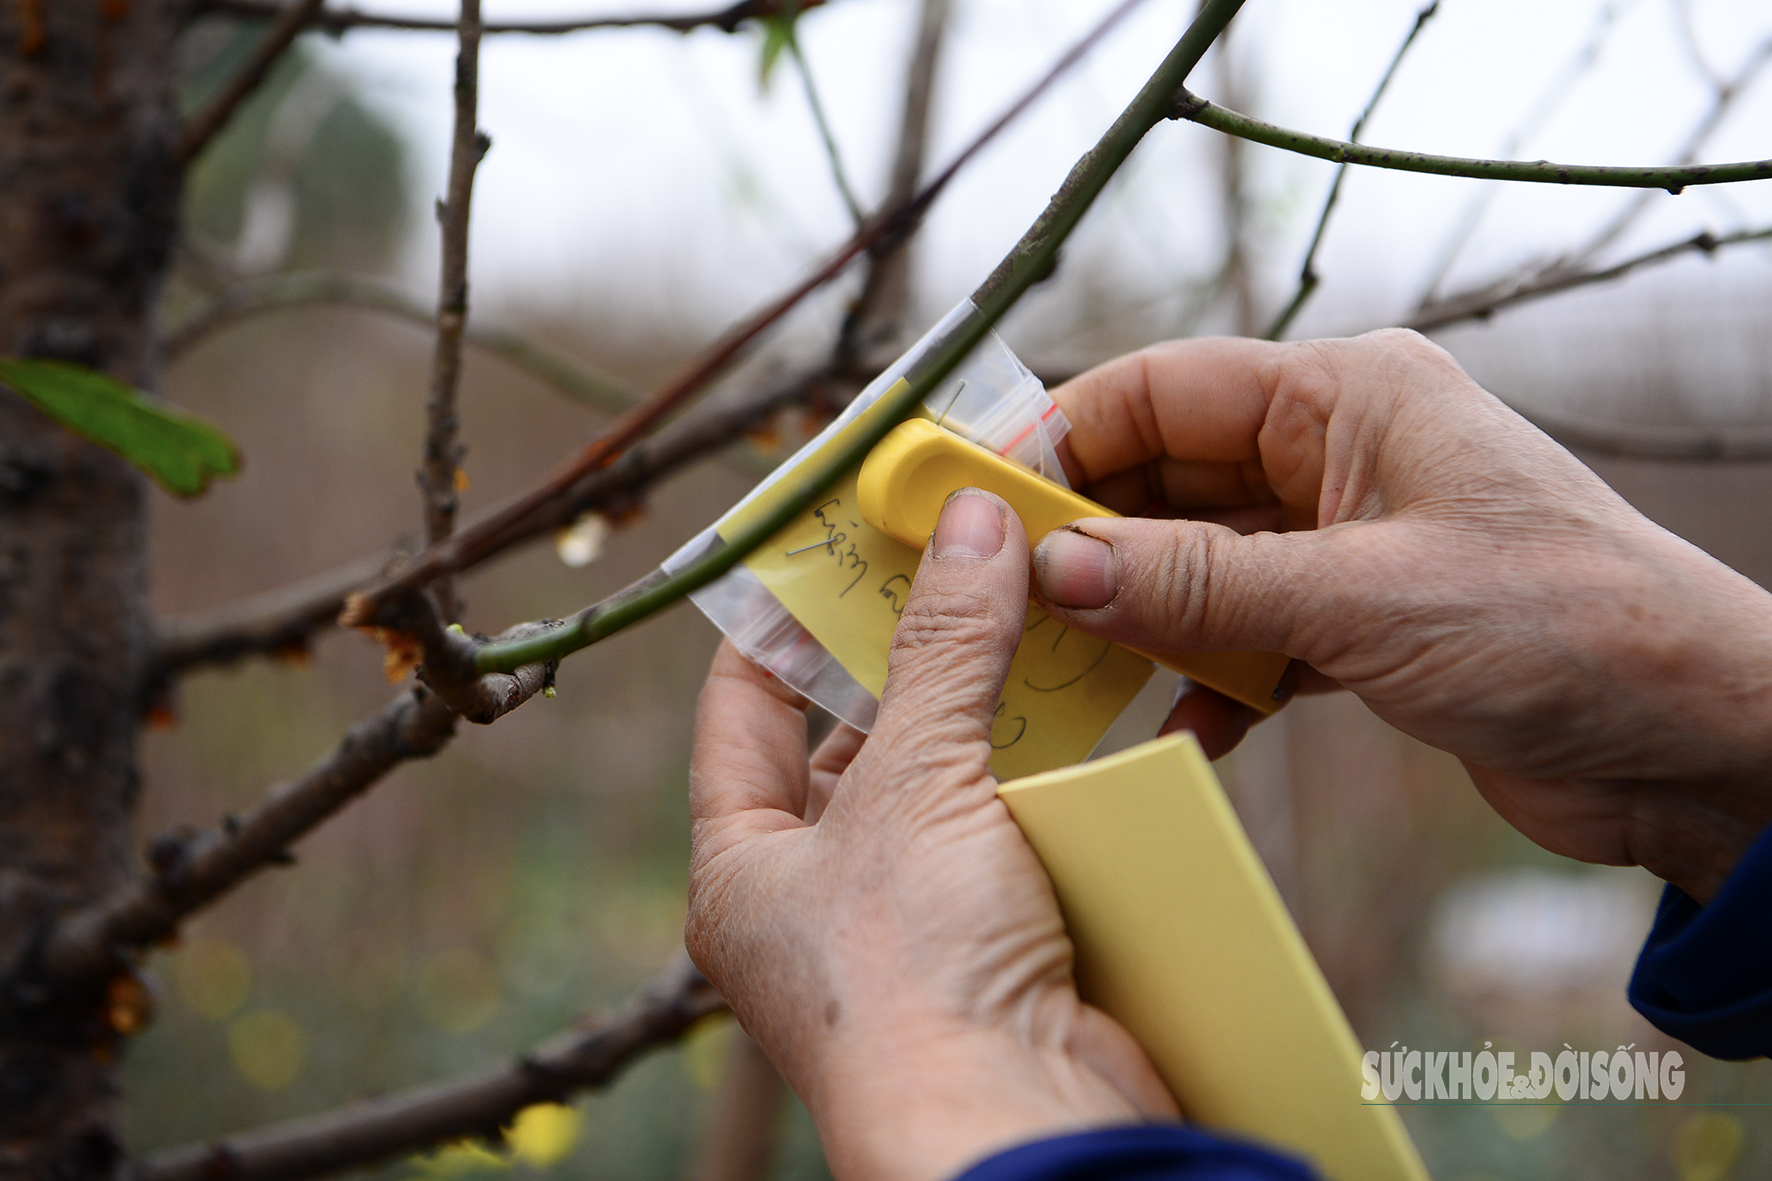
[971, 526]
[1073, 569]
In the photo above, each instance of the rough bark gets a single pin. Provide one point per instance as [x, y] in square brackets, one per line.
[88, 192]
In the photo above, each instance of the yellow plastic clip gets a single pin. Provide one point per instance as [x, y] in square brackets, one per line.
[910, 474]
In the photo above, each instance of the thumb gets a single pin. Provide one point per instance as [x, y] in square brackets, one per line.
[1179, 586]
[962, 621]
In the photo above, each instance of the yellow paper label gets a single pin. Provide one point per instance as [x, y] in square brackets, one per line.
[846, 583]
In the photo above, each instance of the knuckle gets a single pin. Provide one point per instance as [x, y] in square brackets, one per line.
[957, 621]
[1182, 579]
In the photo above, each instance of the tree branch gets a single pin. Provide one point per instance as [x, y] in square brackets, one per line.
[1307, 272]
[287, 618]
[287, 22]
[516, 520]
[1032, 259]
[478, 1105]
[443, 451]
[839, 175]
[191, 869]
[1661, 444]
[1480, 305]
[1726, 93]
[1673, 178]
[279, 621]
[339, 20]
[1554, 93]
[298, 289]
[874, 319]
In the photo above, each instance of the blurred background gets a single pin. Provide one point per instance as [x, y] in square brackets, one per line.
[647, 188]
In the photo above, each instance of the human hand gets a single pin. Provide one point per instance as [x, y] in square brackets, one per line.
[876, 919]
[1366, 508]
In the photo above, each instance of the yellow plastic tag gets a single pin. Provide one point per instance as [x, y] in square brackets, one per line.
[846, 583]
[1182, 938]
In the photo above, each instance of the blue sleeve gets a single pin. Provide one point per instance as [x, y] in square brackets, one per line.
[1142, 1152]
[1705, 974]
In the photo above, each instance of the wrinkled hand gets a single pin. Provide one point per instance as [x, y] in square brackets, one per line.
[1364, 507]
[876, 919]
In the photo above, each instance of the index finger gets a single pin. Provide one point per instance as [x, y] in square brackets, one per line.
[749, 753]
[1200, 401]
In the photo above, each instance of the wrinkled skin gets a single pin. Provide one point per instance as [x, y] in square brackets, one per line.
[1607, 685]
[877, 921]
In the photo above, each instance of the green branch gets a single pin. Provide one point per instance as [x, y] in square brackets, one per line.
[1673, 179]
[1031, 260]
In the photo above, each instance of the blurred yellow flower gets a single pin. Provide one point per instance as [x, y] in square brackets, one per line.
[214, 977]
[268, 1047]
[544, 1134]
[1706, 1146]
[463, 1156]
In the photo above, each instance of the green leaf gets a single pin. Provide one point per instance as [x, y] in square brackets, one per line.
[182, 452]
[778, 34]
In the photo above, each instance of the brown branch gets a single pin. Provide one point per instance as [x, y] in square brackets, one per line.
[280, 621]
[287, 22]
[192, 869]
[516, 520]
[1480, 305]
[338, 20]
[284, 619]
[443, 450]
[474, 1106]
[298, 289]
[1660, 443]
[878, 313]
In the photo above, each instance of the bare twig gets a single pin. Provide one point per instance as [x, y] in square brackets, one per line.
[878, 312]
[202, 126]
[1234, 276]
[191, 870]
[284, 619]
[1661, 444]
[298, 289]
[288, 22]
[1032, 259]
[339, 20]
[1307, 273]
[839, 175]
[1480, 305]
[1726, 93]
[1550, 98]
[478, 1105]
[516, 521]
[279, 621]
[438, 475]
[1672, 177]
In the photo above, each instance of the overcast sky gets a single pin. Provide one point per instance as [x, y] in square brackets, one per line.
[648, 162]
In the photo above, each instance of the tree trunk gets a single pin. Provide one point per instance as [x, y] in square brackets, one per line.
[88, 196]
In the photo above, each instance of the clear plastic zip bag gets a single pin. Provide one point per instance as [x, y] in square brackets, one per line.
[990, 398]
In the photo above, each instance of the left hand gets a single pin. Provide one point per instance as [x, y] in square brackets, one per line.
[876, 919]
